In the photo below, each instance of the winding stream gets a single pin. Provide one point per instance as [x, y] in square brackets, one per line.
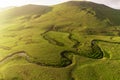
[97, 53]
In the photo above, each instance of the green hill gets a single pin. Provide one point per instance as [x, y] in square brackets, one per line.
[84, 17]
[26, 10]
[75, 40]
[101, 11]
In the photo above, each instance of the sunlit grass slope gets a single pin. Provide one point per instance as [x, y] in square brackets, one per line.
[27, 10]
[70, 41]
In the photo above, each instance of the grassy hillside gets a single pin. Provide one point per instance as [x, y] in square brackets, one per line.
[70, 41]
[27, 10]
[83, 17]
[101, 11]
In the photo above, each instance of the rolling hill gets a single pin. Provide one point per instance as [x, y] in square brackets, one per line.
[84, 17]
[26, 10]
[75, 40]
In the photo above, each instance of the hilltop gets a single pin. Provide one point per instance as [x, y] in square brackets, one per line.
[82, 16]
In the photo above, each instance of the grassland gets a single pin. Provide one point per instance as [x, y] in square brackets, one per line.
[68, 41]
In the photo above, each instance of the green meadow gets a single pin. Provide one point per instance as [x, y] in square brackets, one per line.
[75, 40]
